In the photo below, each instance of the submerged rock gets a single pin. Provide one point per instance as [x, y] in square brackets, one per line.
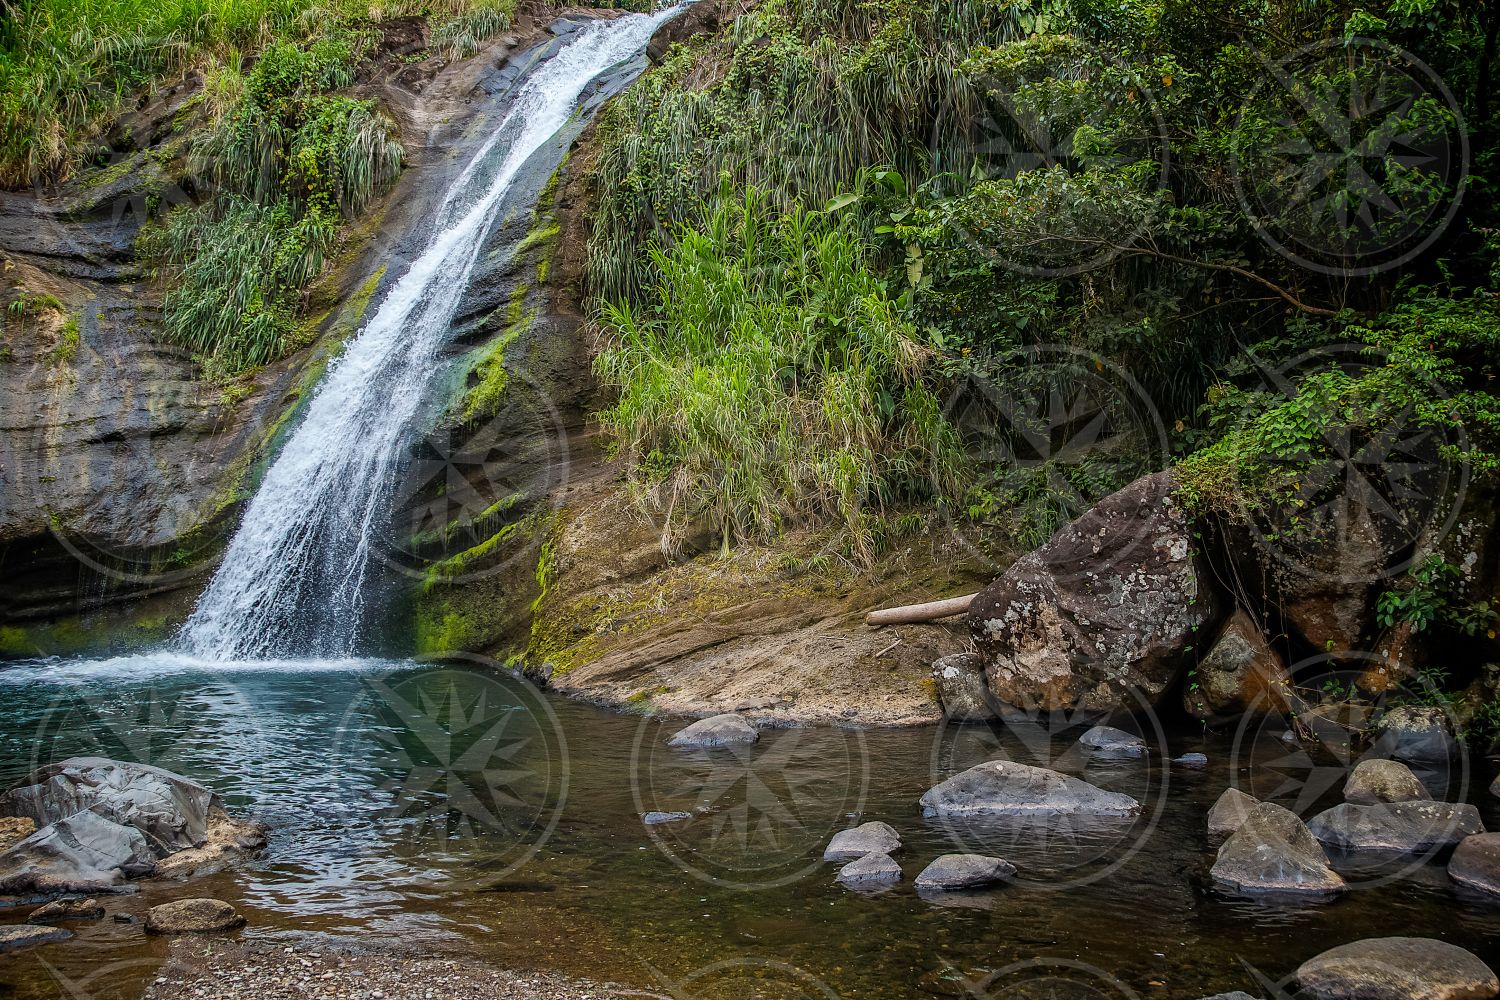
[1107, 741]
[1272, 853]
[193, 916]
[66, 909]
[1192, 760]
[657, 818]
[867, 838]
[82, 853]
[872, 869]
[1374, 780]
[964, 871]
[1241, 673]
[1397, 827]
[1102, 615]
[1398, 968]
[1006, 788]
[1476, 863]
[1417, 733]
[1229, 812]
[716, 731]
[14, 936]
[961, 688]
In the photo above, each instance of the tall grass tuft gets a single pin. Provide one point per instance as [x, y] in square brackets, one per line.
[767, 381]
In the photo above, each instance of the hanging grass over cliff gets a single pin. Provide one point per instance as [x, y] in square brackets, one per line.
[769, 381]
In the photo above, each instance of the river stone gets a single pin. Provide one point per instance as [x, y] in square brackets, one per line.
[964, 871]
[961, 688]
[657, 818]
[1226, 814]
[869, 870]
[1107, 741]
[1103, 615]
[1241, 673]
[867, 838]
[193, 916]
[1374, 780]
[1396, 968]
[172, 811]
[1006, 788]
[717, 731]
[1192, 760]
[66, 909]
[1476, 863]
[13, 936]
[1273, 853]
[1398, 827]
[1416, 733]
[83, 853]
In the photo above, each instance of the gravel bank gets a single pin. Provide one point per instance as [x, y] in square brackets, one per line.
[200, 968]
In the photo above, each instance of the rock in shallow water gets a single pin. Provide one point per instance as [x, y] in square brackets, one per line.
[1417, 733]
[1272, 853]
[1107, 741]
[1376, 780]
[13, 936]
[193, 916]
[867, 838]
[1397, 827]
[657, 818]
[1192, 760]
[964, 871]
[872, 869]
[716, 731]
[1006, 788]
[1229, 812]
[1476, 863]
[1396, 968]
[82, 853]
[66, 909]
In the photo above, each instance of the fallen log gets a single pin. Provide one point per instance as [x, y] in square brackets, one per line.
[929, 612]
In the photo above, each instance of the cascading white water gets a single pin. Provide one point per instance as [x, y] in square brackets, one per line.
[293, 578]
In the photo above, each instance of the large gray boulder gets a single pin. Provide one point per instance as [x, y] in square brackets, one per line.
[1476, 863]
[1396, 827]
[1241, 673]
[1375, 780]
[1006, 788]
[1420, 734]
[1272, 853]
[716, 731]
[1103, 615]
[170, 810]
[961, 688]
[964, 871]
[1396, 968]
[1228, 813]
[872, 869]
[867, 838]
[83, 853]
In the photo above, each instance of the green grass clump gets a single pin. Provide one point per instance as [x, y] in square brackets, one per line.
[769, 381]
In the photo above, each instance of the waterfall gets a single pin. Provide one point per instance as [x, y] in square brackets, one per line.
[293, 578]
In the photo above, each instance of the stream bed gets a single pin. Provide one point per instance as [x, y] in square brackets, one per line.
[451, 808]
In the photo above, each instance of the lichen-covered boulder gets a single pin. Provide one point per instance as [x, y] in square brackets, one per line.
[83, 853]
[1241, 673]
[716, 731]
[1375, 780]
[961, 688]
[1272, 853]
[1104, 613]
[1396, 827]
[1006, 788]
[193, 916]
[1476, 863]
[1417, 733]
[867, 838]
[1396, 968]
[1229, 812]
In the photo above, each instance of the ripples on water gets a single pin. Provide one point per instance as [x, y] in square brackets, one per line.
[459, 809]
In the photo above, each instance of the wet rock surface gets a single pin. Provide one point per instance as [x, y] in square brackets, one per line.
[16, 936]
[1396, 827]
[872, 869]
[1007, 788]
[1417, 734]
[867, 838]
[1374, 780]
[1229, 811]
[1102, 615]
[66, 909]
[1108, 742]
[1241, 673]
[1476, 863]
[964, 871]
[83, 853]
[717, 731]
[193, 916]
[1273, 854]
[1396, 968]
